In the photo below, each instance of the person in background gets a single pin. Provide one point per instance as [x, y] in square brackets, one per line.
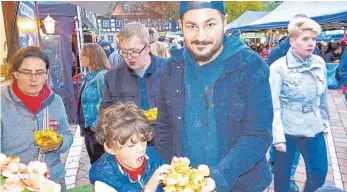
[274, 55]
[27, 104]
[153, 35]
[264, 53]
[160, 49]
[95, 60]
[107, 48]
[214, 104]
[300, 104]
[136, 79]
[335, 55]
[115, 59]
[284, 46]
[324, 51]
[174, 45]
[343, 71]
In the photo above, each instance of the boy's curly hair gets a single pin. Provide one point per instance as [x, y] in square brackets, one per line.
[118, 123]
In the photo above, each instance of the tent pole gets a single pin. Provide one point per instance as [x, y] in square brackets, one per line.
[80, 39]
[77, 58]
[12, 30]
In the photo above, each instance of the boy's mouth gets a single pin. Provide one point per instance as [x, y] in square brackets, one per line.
[140, 159]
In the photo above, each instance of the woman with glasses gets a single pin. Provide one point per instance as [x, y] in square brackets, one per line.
[300, 102]
[95, 60]
[27, 105]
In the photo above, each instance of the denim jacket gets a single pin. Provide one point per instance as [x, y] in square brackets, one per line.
[300, 100]
[91, 96]
[243, 109]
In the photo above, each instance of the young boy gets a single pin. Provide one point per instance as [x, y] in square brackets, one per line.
[128, 164]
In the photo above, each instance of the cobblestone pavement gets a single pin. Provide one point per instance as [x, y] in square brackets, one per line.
[77, 161]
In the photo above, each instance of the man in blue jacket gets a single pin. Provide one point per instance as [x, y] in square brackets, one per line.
[215, 103]
[343, 70]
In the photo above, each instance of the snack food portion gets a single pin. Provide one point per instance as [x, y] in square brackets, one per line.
[47, 139]
[184, 178]
[151, 114]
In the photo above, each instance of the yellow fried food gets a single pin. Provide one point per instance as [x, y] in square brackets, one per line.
[46, 137]
[151, 114]
[184, 178]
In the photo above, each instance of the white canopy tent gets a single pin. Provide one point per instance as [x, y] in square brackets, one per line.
[104, 8]
[330, 14]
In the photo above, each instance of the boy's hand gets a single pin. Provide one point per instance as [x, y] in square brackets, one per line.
[210, 185]
[158, 176]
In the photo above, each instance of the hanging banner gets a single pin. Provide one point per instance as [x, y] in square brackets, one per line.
[27, 24]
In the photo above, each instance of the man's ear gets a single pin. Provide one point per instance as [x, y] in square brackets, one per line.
[225, 21]
[180, 24]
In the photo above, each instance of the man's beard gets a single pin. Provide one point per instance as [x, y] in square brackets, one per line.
[206, 57]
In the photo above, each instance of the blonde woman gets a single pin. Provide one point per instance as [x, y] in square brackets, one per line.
[94, 58]
[160, 49]
[299, 94]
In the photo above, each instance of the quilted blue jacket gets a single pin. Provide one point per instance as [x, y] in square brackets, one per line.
[107, 170]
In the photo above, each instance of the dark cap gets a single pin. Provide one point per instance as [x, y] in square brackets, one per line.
[186, 6]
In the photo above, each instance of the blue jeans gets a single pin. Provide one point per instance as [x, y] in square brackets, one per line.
[313, 150]
[295, 161]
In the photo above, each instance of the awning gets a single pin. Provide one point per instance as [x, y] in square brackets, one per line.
[246, 18]
[104, 8]
[330, 14]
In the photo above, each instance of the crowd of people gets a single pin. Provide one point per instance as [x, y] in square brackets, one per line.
[331, 52]
[219, 103]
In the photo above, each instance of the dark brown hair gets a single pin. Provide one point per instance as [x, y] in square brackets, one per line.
[29, 51]
[97, 57]
[118, 123]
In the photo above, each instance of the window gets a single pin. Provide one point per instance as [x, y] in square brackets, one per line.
[108, 30]
[104, 30]
[99, 20]
[102, 38]
[113, 29]
[106, 23]
[113, 24]
[110, 38]
[112, 20]
[125, 8]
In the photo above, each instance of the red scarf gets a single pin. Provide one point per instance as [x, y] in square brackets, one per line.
[134, 174]
[33, 103]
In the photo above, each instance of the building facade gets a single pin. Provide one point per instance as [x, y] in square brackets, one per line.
[127, 12]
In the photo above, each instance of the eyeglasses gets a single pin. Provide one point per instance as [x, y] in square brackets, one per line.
[30, 74]
[133, 55]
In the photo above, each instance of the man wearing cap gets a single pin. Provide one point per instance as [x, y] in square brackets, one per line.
[215, 103]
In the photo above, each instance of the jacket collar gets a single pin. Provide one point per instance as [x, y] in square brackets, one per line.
[292, 63]
[16, 100]
[150, 68]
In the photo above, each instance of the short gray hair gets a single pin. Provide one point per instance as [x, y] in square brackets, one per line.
[134, 29]
[300, 24]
